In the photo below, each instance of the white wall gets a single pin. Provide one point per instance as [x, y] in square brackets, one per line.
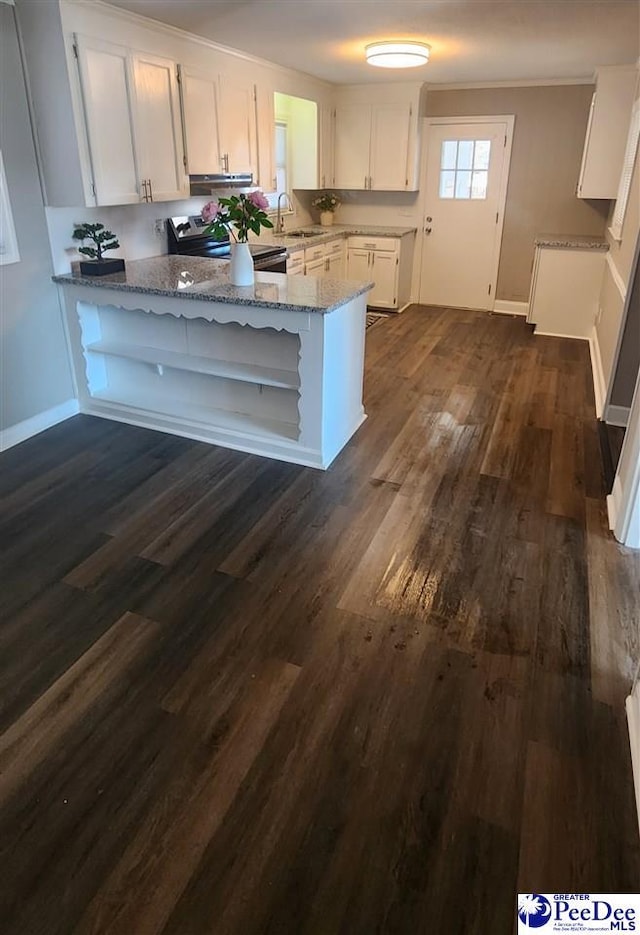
[36, 377]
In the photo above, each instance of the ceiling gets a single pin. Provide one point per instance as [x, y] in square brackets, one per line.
[471, 40]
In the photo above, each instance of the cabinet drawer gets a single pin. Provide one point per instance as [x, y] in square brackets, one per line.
[335, 247]
[315, 253]
[295, 262]
[379, 244]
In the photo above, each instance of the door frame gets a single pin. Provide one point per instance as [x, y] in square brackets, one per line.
[429, 122]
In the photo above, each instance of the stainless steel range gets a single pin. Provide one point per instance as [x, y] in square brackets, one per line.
[186, 238]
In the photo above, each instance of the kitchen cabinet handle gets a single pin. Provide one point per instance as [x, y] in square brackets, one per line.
[150, 190]
[365, 180]
[370, 183]
[144, 193]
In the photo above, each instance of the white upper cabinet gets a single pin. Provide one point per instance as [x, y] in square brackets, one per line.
[158, 127]
[326, 160]
[352, 145]
[377, 141]
[237, 125]
[104, 74]
[607, 131]
[390, 134]
[200, 110]
[132, 114]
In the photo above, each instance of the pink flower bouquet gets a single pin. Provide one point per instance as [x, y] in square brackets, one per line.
[236, 216]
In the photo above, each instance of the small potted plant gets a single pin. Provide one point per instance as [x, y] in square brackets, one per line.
[103, 240]
[326, 203]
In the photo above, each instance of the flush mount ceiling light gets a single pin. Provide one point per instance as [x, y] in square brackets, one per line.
[397, 54]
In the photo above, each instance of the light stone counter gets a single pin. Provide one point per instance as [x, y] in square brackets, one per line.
[323, 234]
[571, 242]
[204, 279]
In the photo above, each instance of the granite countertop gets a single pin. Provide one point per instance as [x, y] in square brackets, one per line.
[323, 234]
[204, 279]
[571, 241]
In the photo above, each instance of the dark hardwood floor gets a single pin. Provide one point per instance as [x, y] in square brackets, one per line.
[239, 696]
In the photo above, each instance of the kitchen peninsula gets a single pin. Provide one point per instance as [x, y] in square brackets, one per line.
[275, 368]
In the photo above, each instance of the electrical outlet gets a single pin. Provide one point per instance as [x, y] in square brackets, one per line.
[158, 227]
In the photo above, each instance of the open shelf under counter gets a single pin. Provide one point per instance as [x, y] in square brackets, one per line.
[231, 370]
[193, 413]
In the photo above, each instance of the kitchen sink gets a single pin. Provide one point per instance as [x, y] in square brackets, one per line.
[300, 234]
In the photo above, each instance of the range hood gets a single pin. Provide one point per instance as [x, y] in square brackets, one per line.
[205, 184]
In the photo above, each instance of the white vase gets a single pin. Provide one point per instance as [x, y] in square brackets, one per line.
[241, 267]
[326, 218]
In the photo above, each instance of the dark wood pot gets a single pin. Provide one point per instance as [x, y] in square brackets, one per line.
[101, 267]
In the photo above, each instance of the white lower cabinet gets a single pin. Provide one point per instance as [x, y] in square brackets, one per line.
[565, 289]
[326, 260]
[295, 263]
[376, 260]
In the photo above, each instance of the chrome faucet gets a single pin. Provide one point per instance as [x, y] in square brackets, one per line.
[279, 218]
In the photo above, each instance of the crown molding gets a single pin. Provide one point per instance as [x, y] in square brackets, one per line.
[149, 23]
[525, 83]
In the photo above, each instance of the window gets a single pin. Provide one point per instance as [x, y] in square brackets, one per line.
[9, 252]
[281, 166]
[464, 169]
[627, 172]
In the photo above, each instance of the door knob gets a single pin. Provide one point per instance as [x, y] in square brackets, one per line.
[427, 230]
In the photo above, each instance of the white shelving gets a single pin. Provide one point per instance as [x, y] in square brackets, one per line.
[230, 370]
[223, 419]
[280, 384]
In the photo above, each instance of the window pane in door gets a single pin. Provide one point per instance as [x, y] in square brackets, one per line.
[448, 154]
[447, 184]
[463, 184]
[479, 184]
[465, 154]
[481, 155]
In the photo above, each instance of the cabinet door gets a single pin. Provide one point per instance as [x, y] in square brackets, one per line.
[316, 268]
[237, 115]
[359, 265]
[335, 266]
[390, 125]
[266, 123]
[326, 170]
[157, 126]
[104, 77]
[200, 122]
[352, 137]
[384, 272]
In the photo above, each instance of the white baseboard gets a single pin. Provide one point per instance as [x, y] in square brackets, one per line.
[559, 334]
[599, 384]
[633, 721]
[617, 415]
[36, 424]
[502, 307]
[613, 502]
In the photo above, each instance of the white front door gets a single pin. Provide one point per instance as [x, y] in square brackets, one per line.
[464, 177]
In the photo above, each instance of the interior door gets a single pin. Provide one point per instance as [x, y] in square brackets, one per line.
[466, 169]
